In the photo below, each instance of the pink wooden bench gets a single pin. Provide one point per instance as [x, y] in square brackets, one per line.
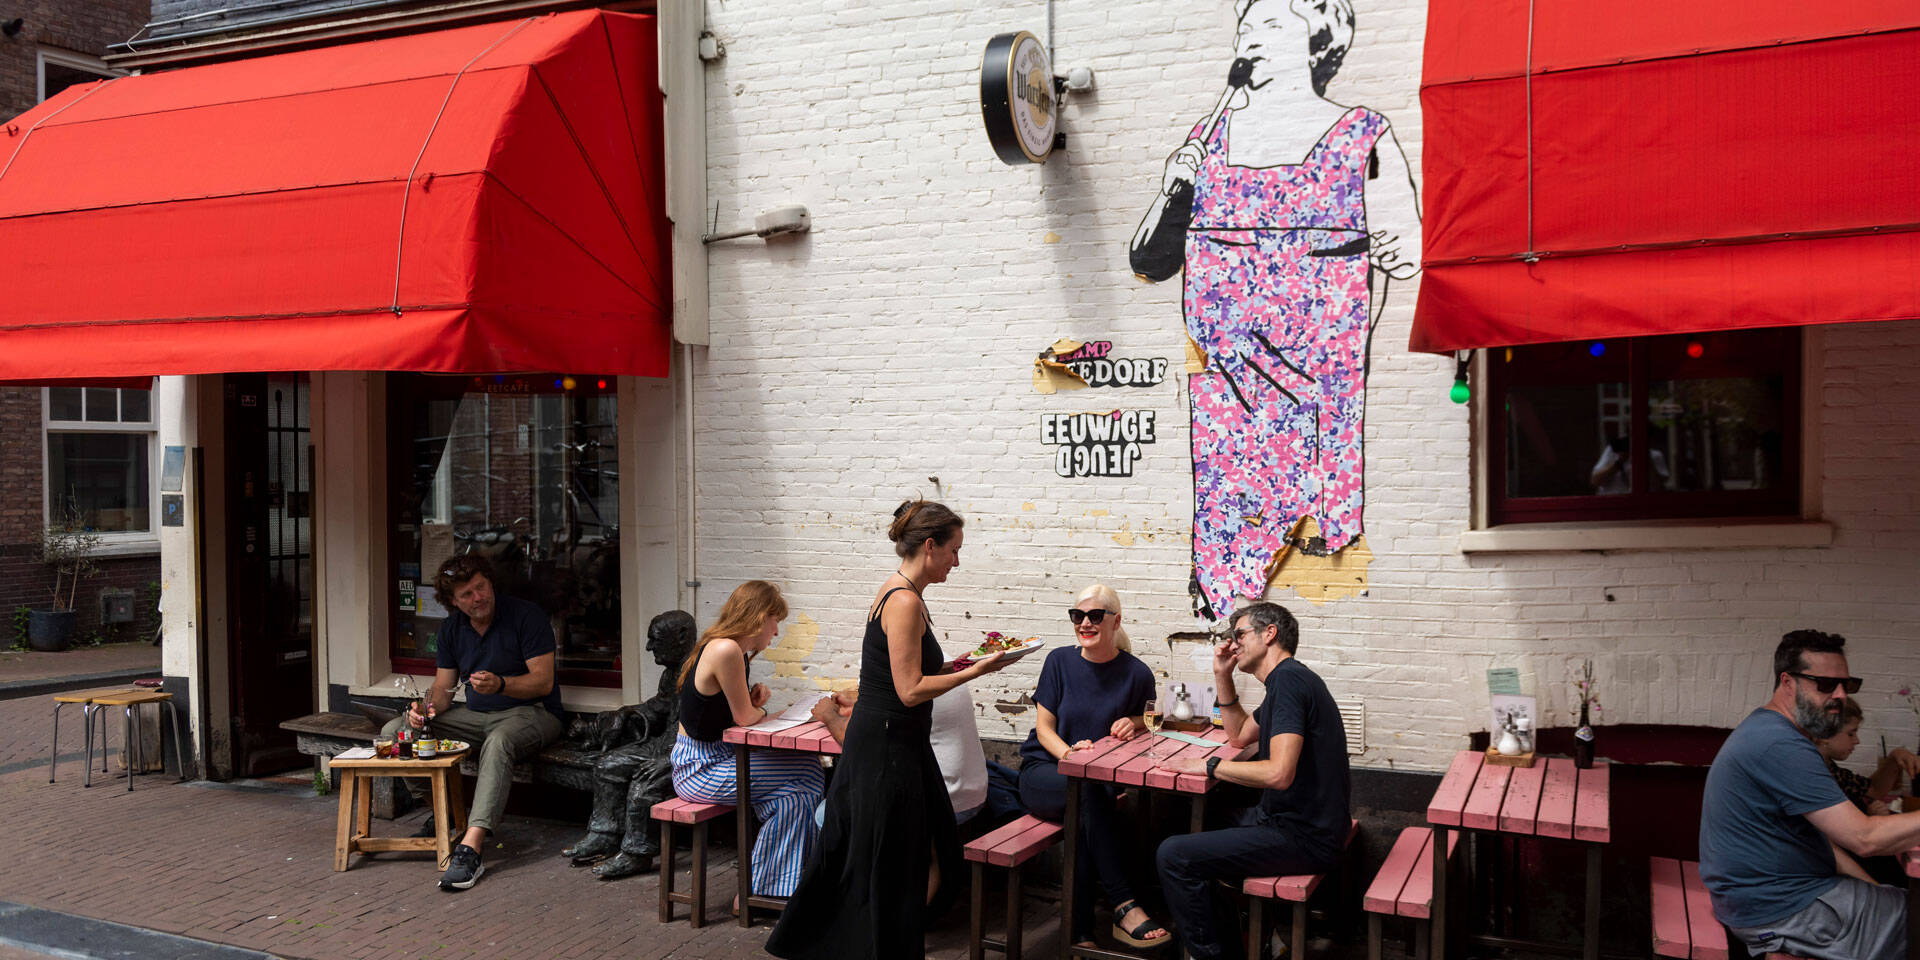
[1296, 890]
[695, 814]
[1009, 846]
[1683, 923]
[1404, 888]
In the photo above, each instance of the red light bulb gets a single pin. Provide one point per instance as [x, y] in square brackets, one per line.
[1695, 350]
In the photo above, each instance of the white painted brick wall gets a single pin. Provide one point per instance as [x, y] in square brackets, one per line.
[894, 344]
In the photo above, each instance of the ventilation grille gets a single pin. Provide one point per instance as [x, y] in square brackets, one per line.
[1353, 716]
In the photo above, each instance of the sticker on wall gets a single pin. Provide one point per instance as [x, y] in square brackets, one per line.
[1092, 364]
[1097, 444]
[1051, 374]
[1290, 215]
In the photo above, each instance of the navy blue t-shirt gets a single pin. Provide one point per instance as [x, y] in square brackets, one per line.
[1314, 808]
[519, 632]
[1086, 697]
[1762, 861]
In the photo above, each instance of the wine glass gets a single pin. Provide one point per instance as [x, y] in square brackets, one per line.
[1152, 718]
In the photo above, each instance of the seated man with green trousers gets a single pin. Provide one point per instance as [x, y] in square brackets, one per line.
[503, 647]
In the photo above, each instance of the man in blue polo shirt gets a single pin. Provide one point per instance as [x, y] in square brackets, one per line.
[1772, 816]
[502, 647]
[1300, 767]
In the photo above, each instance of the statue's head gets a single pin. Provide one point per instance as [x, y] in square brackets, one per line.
[670, 638]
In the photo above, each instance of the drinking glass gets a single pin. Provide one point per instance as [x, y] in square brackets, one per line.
[1152, 717]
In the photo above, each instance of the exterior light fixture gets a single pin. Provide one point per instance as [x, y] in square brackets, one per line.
[12, 27]
[777, 222]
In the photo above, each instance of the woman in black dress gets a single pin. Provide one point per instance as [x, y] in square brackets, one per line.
[888, 858]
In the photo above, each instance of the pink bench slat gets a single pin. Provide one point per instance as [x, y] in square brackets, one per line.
[1021, 847]
[1408, 855]
[1075, 763]
[1556, 799]
[1668, 900]
[1482, 811]
[1709, 938]
[689, 811]
[1592, 817]
[1163, 777]
[1517, 814]
[977, 848]
[1451, 799]
[1197, 782]
[1416, 898]
[1296, 887]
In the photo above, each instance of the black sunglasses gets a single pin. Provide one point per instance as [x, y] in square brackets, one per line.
[1826, 684]
[1091, 616]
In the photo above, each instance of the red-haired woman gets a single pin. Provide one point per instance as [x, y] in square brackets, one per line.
[715, 695]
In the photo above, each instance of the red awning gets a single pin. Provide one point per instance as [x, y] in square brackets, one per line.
[1704, 165]
[484, 199]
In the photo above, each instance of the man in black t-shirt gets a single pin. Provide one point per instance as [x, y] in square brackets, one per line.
[502, 648]
[1299, 766]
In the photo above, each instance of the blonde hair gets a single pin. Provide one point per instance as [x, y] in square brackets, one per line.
[1110, 600]
[743, 615]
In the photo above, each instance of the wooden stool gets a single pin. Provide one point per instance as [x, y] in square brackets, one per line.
[695, 814]
[1683, 923]
[356, 806]
[85, 699]
[1009, 846]
[135, 751]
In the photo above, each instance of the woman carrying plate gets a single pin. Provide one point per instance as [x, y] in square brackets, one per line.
[889, 855]
[1088, 691]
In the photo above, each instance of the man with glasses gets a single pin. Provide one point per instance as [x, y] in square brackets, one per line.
[1772, 817]
[1300, 768]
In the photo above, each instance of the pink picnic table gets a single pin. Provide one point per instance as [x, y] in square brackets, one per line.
[810, 737]
[1126, 763]
[1552, 799]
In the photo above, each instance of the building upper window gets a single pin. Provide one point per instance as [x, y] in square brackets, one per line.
[99, 458]
[523, 470]
[60, 69]
[1703, 425]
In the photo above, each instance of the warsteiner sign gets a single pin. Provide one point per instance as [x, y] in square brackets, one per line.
[1017, 98]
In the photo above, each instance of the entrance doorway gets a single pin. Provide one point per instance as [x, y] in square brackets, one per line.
[269, 482]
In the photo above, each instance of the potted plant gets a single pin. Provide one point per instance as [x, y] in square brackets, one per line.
[68, 547]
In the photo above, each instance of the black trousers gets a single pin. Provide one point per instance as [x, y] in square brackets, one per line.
[1102, 845]
[1189, 864]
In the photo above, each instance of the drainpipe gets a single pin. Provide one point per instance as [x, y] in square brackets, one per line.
[683, 82]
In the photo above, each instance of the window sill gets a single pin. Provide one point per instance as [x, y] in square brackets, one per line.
[142, 547]
[1647, 535]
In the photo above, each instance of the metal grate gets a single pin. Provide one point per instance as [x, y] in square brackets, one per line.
[1353, 716]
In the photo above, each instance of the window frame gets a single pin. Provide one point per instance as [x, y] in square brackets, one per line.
[1795, 499]
[72, 60]
[111, 541]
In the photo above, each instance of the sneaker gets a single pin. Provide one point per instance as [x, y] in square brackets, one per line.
[463, 868]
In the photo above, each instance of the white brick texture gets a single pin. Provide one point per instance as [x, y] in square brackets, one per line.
[894, 344]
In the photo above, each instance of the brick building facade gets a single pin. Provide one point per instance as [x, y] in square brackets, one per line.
[59, 36]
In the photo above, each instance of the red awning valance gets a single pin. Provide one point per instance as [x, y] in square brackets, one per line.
[1666, 168]
[483, 199]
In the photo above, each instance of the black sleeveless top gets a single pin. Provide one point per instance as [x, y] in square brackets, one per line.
[877, 693]
[704, 717]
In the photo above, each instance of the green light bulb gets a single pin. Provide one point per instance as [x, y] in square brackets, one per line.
[1460, 393]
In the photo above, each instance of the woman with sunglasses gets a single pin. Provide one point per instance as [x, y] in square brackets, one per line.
[1093, 689]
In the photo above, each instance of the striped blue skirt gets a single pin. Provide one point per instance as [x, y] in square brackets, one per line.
[785, 789]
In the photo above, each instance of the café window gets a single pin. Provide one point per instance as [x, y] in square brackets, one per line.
[1701, 425]
[99, 459]
[523, 470]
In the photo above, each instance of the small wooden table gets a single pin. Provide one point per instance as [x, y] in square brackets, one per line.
[356, 805]
[1126, 763]
[1552, 799]
[810, 737]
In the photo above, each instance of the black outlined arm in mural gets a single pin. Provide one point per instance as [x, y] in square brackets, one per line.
[1159, 245]
[1393, 220]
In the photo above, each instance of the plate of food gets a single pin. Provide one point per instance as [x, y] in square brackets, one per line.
[444, 747]
[997, 642]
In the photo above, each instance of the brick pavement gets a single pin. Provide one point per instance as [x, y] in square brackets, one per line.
[26, 665]
[253, 868]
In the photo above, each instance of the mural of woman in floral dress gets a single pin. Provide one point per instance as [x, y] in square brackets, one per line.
[1291, 214]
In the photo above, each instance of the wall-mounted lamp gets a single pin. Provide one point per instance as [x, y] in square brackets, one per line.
[773, 223]
[12, 27]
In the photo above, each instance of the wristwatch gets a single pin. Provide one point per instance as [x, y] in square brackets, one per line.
[1213, 768]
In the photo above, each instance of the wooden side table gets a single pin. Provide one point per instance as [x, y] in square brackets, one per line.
[356, 806]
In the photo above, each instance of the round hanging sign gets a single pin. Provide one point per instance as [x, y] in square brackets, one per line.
[1017, 98]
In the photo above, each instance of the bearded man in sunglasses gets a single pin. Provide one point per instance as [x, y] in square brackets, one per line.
[1773, 815]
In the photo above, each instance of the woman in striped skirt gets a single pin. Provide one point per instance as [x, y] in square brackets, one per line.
[715, 695]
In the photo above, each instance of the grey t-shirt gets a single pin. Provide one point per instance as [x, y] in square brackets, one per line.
[1760, 858]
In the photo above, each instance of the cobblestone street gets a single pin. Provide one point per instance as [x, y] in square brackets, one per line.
[252, 867]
